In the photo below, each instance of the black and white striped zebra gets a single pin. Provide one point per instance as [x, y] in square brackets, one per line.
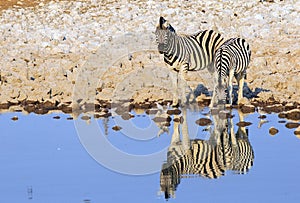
[231, 60]
[186, 52]
[224, 151]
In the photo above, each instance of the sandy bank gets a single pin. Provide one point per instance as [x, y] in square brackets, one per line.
[62, 54]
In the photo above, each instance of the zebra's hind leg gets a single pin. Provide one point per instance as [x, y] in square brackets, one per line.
[240, 80]
[230, 85]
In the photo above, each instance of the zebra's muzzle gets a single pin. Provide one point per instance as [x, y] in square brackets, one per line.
[161, 48]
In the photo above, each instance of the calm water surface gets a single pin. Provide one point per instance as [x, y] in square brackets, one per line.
[44, 160]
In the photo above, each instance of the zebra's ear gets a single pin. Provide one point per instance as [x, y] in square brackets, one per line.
[170, 28]
[161, 22]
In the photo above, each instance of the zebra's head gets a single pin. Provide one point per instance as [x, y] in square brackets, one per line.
[163, 32]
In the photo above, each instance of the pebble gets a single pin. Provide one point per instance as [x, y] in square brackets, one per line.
[276, 108]
[292, 125]
[273, 131]
[126, 116]
[262, 116]
[85, 118]
[243, 123]
[248, 108]
[203, 121]
[116, 128]
[174, 111]
[293, 114]
[162, 119]
[15, 118]
[57, 36]
[179, 120]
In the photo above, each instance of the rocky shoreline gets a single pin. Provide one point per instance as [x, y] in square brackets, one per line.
[70, 55]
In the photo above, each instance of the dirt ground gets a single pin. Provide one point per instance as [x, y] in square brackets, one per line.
[20, 3]
[52, 51]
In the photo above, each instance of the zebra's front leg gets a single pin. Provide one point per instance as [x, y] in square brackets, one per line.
[176, 132]
[174, 78]
[185, 131]
[214, 93]
[213, 98]
[230, 85]
[182, 88]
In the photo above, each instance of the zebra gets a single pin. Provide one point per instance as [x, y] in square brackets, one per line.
[231, 59]
[184, 53]
[225, 150]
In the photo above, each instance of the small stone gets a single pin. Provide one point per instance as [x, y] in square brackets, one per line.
[203, 121]
[126, 116]
[292, 125]
[15, 118]
[248, 108]
[142, 105]
[243, 123]
[4, 106]
[273, 131]
[151, 111]
[29, 108]
[282, 115]
[40, 111]
[49, 105]
[162, 119]
[262, 116]
[276, 108]
[122, 110]
[180, 119]
[116, 128]
[65, 108]
[85, 118]
[290, 106]
[293, 114]
[174, 111]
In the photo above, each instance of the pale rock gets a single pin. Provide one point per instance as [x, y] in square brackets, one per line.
[84, 25]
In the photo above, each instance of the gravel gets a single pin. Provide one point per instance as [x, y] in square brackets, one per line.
[75, 52]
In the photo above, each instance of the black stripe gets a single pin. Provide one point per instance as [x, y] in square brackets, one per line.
[207, 48]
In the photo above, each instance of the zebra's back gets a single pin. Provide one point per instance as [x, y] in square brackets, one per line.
[233, 54]
[209, 41]
[193, 52]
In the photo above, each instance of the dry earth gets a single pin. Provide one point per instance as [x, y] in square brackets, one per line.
[63, 54]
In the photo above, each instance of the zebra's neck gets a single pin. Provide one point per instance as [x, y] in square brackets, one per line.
[170, 56]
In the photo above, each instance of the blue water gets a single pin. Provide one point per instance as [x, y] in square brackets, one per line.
[43, 160]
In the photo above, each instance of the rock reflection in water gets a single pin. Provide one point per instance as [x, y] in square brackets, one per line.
[225, 150]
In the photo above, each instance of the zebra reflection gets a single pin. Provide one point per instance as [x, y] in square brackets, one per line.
[224, 151]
